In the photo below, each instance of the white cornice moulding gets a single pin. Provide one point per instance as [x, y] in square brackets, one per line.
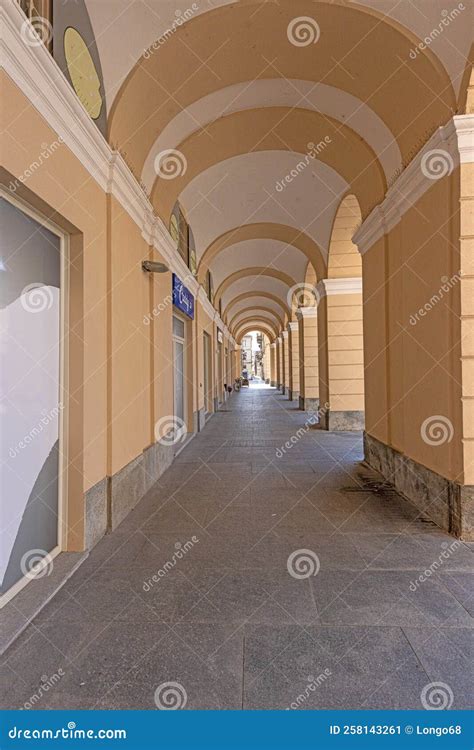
[464, 126]
[37, 75]
[307, 312]
[329, 287]
[456, 140]
[34, 71]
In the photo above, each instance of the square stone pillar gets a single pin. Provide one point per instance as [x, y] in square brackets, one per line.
[285, 362]
[341, 353]
[294, 361]
[236, 362]
[273, 369]
[308, 358]
[278, 359]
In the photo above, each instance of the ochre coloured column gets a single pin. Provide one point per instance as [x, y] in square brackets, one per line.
[463, 517]
[294, 361]
[286, 362]
[308, 358]
[279, 362]
[341, 353]
[273, 365]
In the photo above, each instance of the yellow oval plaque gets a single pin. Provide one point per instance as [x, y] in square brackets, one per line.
[82, 70]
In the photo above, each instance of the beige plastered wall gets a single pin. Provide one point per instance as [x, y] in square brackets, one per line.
[417, 365]
[120, 338]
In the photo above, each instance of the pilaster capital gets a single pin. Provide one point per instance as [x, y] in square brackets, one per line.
[450, 145]
[329, 287]
[307, 312]
[284, 335]
[293, 325]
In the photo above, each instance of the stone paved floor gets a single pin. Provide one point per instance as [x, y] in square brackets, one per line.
[228, 622]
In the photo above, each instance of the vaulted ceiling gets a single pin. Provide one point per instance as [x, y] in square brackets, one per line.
[274, 112]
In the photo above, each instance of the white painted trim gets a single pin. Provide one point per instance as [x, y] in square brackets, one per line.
[328, 287]
[19, 585]
[464, 127]
[456, 140]
[40, 79]
[307, 312]
[35, 72]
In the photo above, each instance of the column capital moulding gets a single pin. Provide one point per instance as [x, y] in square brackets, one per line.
[33, 70]
[327, 287]
[284, 334]
[454, 143]
[293, 325]
[307, 312]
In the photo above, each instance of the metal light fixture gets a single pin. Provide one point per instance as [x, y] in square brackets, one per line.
[152, 266]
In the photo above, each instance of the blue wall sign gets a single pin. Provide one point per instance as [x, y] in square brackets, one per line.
[182, 297]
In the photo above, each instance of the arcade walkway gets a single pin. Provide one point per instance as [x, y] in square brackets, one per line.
[236, 619]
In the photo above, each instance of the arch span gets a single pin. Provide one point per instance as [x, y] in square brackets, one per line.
[248, 295]
[256, 309]
[253, 271]
[263, 230]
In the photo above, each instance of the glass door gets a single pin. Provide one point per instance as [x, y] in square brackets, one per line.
[30, 373]
[179, 371]
[207, 372]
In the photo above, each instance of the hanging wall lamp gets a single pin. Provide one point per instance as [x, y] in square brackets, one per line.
[152, 266]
